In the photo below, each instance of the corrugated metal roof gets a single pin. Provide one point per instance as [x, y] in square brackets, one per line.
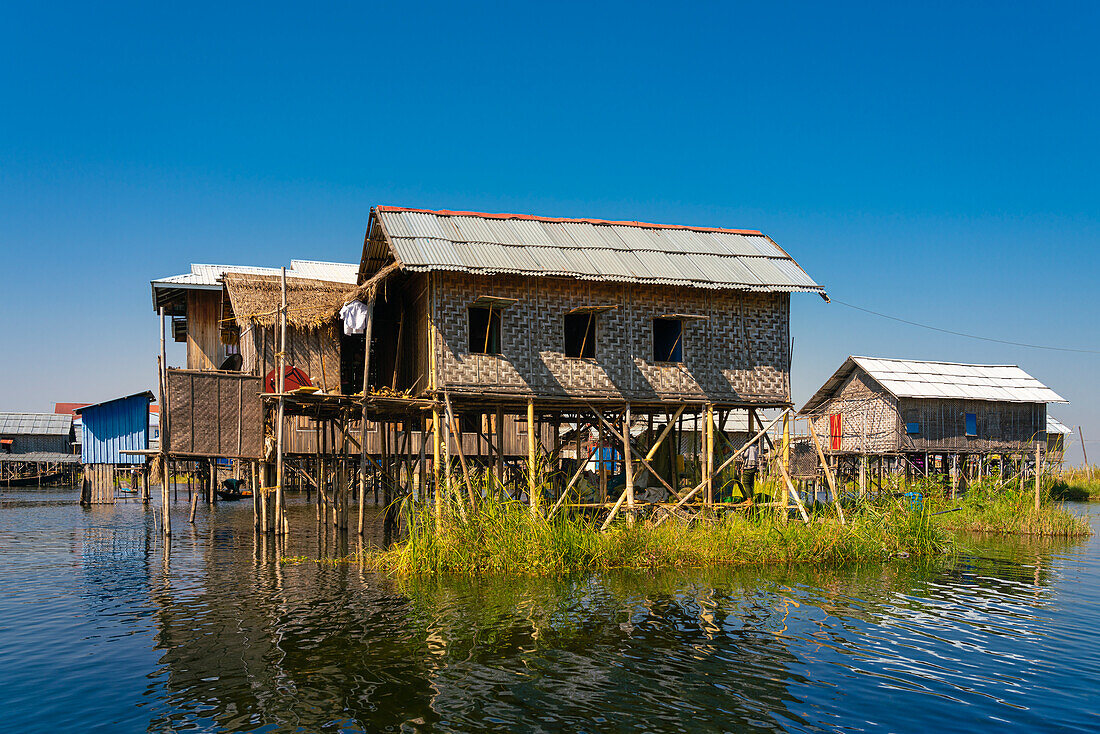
[1056, 426]
[908, 378]
[35, 424]
[207, 277]
[46, 457]
[632, 252]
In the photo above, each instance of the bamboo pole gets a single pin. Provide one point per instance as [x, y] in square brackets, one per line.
[709, 467]
[166, 481]
[828, 471]
[531, 458]
[436, 473]
[733, 457]
[644, 462]
[1038, 473]
[628, 469]
[500, 446]
[367, 335]
[793, 492]
[280, 520]
[1084, 452]
[452, 420]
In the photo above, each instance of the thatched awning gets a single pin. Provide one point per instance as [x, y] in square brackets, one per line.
[311, 304]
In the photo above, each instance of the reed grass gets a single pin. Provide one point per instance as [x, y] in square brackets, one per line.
[504, 537]
[989, 507]
[1081, 484]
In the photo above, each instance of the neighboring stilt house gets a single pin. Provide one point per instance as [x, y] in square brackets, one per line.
[114, 439]
[931, 415]
[1057, 434]
[36, 448]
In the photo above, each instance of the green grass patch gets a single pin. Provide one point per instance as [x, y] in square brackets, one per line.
[1080, 485]
[989, 508]
[505, 537]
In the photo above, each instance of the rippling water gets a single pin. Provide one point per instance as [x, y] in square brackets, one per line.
[100, 631]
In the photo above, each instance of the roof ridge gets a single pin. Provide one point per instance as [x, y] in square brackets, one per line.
[577, 220]
[933, 361]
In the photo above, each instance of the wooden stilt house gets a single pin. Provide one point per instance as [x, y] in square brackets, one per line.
[36, 448]
[890, 406]
[114, 437]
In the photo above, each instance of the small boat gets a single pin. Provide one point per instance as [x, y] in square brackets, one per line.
[233, 490]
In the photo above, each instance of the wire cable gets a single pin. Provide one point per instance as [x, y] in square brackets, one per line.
[964, 334]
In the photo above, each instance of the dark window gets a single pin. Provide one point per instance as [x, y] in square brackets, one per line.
[668, 340]
[484, 330]
[971, 424]
[580, 335]
[469, 422]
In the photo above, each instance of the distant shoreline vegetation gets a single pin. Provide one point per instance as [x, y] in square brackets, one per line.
[504, 537]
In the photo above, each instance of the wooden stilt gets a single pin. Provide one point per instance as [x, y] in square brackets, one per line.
[280, 519]
[628, 469]
[532, 459]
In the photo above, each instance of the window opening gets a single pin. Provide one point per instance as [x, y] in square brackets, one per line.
[668, 340]
[484, 330]
[972, 424]
[580, 335]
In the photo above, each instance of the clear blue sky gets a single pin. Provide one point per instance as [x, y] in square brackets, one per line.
[938, 162]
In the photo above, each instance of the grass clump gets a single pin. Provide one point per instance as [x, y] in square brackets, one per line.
[1078, 484]
[989, 508]
[505, 537]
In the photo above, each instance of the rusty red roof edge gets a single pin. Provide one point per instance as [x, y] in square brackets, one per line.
[533, 218]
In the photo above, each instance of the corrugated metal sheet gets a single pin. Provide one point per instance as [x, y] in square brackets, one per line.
[115, 426]
[907, 378]
[591, 250]
[35, 424]
[1056, 426]
[46, 457]
[207, 277]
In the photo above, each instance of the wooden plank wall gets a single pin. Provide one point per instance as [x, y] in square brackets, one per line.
[204, 346]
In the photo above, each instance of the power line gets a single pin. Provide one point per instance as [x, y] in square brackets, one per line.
[962, 333]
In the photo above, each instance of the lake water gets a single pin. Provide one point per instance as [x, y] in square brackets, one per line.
[98, 632]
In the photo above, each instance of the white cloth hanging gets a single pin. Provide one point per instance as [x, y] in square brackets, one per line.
[354, 315]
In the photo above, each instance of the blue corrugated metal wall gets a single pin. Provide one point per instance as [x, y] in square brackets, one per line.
[114, 427]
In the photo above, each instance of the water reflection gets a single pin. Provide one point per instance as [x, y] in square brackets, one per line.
[225, 636]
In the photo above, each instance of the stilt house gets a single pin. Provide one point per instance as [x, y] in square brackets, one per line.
[109, 431]
[1057, 433]
[895, 407]
[35, 447]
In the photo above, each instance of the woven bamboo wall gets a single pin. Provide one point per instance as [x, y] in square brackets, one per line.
[214, 414]
[870, 417]
[739, 354]
[306, 348]
[1002, 427]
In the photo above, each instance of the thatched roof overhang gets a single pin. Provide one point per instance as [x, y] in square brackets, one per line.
[255, 299]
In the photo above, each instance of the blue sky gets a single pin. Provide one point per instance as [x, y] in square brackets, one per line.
[938, 163]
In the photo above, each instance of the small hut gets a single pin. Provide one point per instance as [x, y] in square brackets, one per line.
[36, 448]
[922, 414]
[111, 432]
[1057, 433]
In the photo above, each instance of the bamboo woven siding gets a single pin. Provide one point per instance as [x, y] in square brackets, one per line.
[305, 348]
[870, 417]
[204, 348]
[738, 354]
[1008, 427]
[214, 414]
